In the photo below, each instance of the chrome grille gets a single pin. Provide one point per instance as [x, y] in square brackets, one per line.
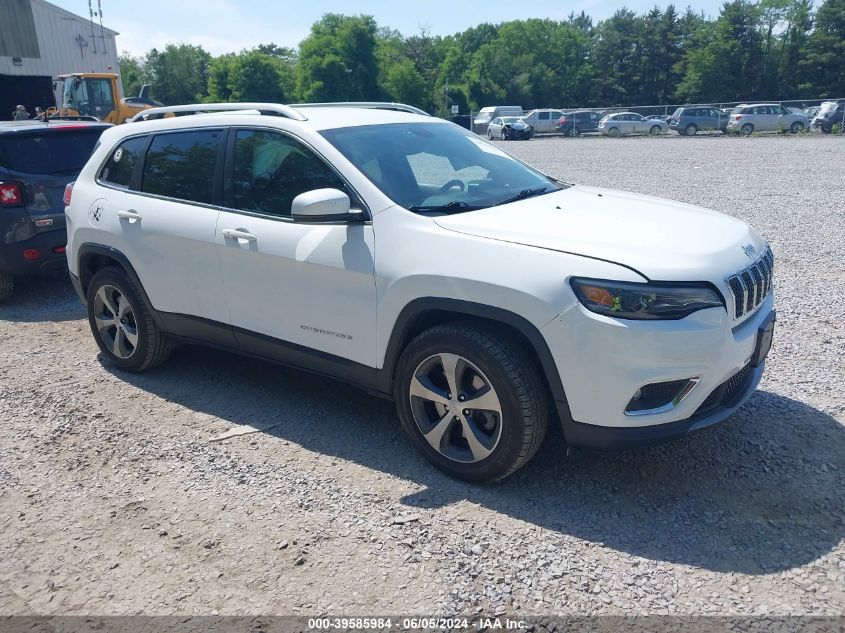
[752, 285]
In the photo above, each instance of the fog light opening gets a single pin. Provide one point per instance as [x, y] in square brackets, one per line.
[659, 397]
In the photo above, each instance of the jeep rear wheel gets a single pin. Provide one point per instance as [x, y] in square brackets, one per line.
[471, 400]
[122, 323]
[7, 285]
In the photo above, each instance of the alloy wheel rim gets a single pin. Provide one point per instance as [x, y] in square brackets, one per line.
[115, 321]
[456, 408]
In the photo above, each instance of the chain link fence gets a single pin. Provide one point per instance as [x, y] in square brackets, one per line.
[826, 116]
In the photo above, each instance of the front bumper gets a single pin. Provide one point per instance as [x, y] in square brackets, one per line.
[517, 134]
[12, 255]
[608, 438]
[603, 361]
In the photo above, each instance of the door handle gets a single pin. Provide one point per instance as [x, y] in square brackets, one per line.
[238, 234]
[130, 214]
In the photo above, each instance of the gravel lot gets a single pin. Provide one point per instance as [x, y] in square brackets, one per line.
[117, 495]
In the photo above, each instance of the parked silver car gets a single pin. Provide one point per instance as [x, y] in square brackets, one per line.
[766, 117]
[509, 128]
[622, 123]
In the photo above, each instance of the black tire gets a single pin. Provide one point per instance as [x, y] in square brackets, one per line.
[574, 132]
[152, 346]
[514, 376]
[7, 285]
[655, 130]
[489, 135]
[797, 127]
[747, 129]
[613, 132]
[691, 130]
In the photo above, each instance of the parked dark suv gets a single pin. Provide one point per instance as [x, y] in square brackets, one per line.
[37, 161]
[689, 121]
[578, 122]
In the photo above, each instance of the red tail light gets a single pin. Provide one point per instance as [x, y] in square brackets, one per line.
[68, 194]
[31, 253]
[11, 194]
[564, 121]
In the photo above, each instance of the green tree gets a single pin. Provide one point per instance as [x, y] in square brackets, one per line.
[823, 65]
[337, 61]
[793, 47]
[726, 63]
[616, 59]
[133, 74]
[219, 78]
[179, 73]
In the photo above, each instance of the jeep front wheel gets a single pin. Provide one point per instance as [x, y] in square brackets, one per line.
[472, 401]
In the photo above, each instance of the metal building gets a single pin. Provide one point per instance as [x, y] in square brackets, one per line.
[38, 42]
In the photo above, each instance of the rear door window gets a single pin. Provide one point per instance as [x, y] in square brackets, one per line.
[121, 164]
[544, 116]
[182, 165]
[55, 151]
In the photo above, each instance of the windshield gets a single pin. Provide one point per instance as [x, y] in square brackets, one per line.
[510, 119]
[427, 166]
[484, 117]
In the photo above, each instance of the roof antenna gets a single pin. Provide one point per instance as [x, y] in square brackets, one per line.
[102, 30]
[91, 20]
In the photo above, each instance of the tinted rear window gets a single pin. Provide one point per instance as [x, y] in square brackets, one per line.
[53, 152]
[181, 165]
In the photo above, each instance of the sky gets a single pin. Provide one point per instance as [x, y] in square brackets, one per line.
[222, 26]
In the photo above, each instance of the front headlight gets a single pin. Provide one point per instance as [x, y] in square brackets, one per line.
[627, 300]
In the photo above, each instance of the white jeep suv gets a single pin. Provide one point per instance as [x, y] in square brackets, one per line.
[401, 253]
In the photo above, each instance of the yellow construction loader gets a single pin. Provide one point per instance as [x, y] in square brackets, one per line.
[98, 95]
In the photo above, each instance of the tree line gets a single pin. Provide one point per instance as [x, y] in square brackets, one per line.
[765, 50]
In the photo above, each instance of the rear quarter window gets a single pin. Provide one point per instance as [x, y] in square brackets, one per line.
[121, 164]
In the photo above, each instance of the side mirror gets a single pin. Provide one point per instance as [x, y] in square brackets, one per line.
[324, 205]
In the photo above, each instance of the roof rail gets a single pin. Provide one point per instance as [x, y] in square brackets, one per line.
[269, 109]
[376, 105]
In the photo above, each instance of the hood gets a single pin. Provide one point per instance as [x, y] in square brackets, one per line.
[661, 239]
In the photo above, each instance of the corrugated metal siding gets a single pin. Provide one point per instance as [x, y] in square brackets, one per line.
[17, 30]
[66, 44]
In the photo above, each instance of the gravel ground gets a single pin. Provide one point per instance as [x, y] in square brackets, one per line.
[118, 495]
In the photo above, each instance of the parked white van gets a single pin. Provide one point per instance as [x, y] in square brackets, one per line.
[485, 115]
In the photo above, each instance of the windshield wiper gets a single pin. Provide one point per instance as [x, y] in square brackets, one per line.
[449, 207]
[525, 193]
